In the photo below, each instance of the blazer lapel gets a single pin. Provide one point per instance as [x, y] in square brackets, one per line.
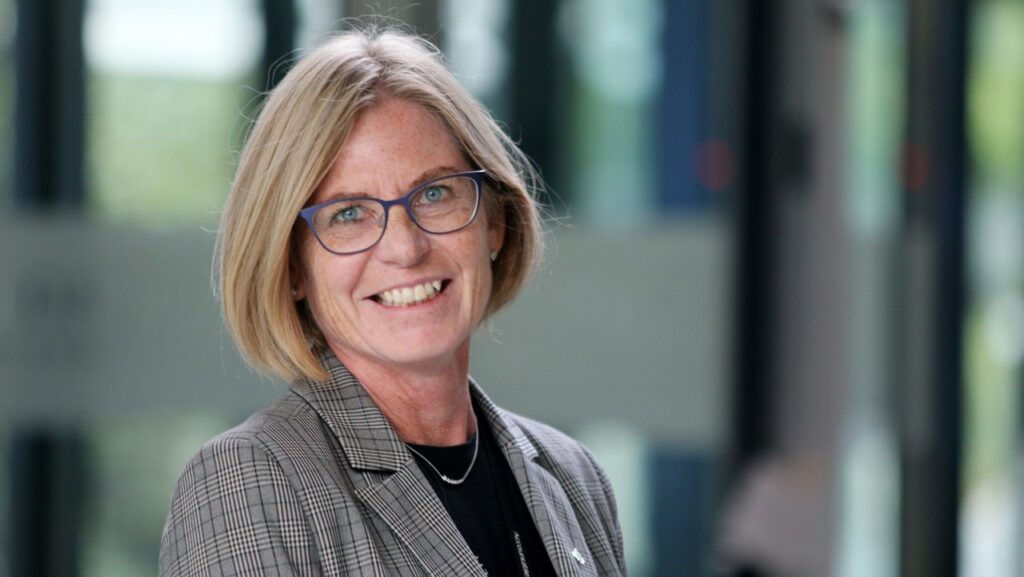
[409, 506]
[549, 505]
[402, 497]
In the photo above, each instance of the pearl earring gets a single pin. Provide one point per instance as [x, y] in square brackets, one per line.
[494, 256]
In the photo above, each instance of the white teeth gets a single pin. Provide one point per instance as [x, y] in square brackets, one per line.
[406, 296]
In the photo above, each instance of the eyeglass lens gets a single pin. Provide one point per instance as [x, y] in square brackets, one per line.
[442, 206]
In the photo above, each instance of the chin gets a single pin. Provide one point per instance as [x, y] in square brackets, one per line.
[419, 351]
[428, 351]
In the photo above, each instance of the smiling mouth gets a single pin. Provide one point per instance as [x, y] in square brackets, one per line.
[411, 295]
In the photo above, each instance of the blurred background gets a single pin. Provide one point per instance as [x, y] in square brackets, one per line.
[787, 312]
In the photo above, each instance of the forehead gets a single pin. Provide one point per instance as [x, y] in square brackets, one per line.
[391, 144]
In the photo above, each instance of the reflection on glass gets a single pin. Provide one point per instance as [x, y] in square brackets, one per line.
[317, 19]
[134, 463]
[165, 90]
[474, 35]
[994, 327]
[616, 59]
[623, 452]
[869, 519]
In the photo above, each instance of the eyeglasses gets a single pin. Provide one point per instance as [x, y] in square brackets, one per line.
[355, 224]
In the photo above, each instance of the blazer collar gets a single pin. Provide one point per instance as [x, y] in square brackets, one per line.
[549, 504]
[405, 499]
[365, 435]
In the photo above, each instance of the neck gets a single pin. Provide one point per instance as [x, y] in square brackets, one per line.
[426, 405]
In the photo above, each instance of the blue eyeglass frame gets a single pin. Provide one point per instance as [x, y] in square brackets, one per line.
[478, 178]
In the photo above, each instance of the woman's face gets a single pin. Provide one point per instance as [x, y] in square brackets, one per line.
[394, 146]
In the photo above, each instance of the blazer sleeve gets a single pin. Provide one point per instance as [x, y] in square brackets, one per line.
[235, 513]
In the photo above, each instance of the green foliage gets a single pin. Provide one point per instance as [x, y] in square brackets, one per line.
[996, 94]
[160, 149]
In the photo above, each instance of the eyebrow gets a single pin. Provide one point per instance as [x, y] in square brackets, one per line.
[425, 176]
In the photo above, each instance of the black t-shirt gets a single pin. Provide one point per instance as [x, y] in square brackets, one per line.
[488, 507]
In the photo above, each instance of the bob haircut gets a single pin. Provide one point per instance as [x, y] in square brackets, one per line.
[300, 130]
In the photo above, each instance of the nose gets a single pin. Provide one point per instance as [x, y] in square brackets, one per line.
[403, 244]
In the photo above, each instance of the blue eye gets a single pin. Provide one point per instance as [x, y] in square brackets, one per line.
[435, 194]
[348, 214]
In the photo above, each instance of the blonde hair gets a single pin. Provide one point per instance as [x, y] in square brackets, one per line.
[304, 122]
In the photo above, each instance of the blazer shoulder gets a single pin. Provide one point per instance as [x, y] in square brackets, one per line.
[236, 504]
[220, 522]
[251, 451]
[557, 448]
[280, 430]
[276, 444]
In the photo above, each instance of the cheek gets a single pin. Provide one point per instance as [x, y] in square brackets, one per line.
[328, 282]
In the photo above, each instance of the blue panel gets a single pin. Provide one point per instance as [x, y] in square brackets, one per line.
[683, 107]
[682, 502]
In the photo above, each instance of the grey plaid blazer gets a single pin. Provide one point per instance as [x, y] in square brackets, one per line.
[320, 484]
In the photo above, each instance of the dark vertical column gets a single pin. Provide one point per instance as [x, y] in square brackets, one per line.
[756, 253]
[936, 205]
[47, 466]
[534, 81]
[50, 103]
[47, 495]
[280, 21]
[950, 154]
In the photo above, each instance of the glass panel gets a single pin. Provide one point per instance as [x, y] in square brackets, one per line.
[616, 75]
[994, 338]
[869, 522]
[165, 88]
[168, 86]
[134, 462]
[645, 131]
[475, 43]
[317, 20]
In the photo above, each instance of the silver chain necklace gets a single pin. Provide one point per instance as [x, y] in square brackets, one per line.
[446, 478]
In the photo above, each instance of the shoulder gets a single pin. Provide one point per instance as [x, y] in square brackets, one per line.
[251, 455]
[287, 431]
[274, 444]
[237, 496]
[557, 449]
[573, 464]
[254, 439]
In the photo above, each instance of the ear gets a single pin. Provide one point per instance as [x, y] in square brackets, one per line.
[296, 275]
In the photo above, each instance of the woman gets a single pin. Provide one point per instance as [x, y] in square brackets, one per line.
[379, 215]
